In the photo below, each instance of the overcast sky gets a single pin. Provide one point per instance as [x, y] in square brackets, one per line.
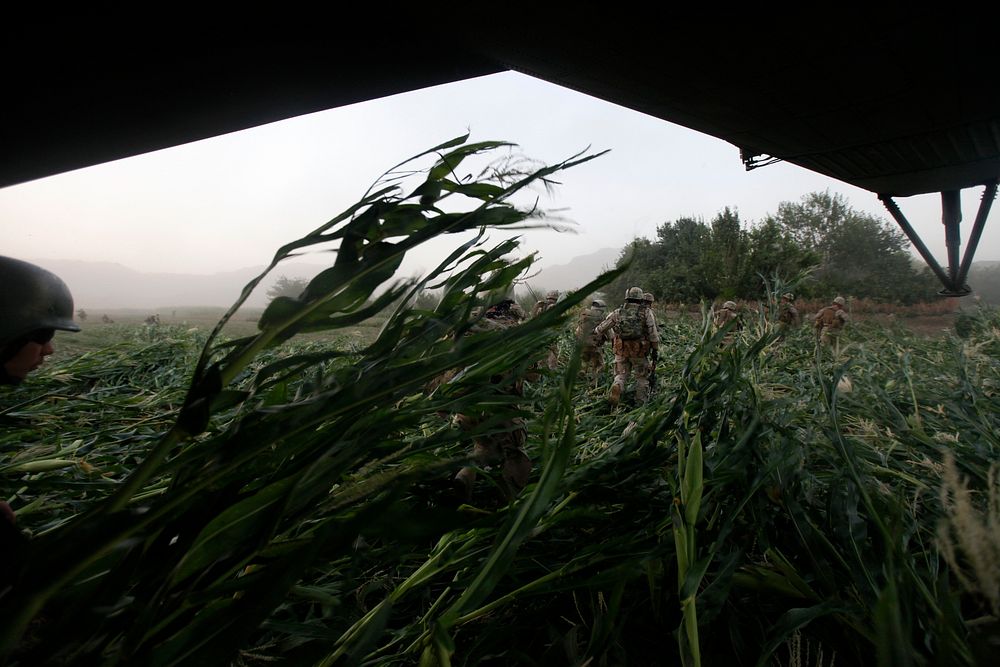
[229, 202]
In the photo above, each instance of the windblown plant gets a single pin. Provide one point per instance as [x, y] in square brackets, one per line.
[294, 505]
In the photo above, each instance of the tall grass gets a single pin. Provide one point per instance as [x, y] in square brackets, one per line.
[294, 503]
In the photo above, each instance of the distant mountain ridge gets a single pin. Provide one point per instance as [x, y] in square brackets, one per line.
[110, 285]
[577, 272]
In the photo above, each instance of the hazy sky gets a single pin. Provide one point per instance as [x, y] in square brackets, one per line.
[229, 202]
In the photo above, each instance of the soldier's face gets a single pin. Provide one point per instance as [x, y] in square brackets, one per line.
[36, 346]
[28, 358]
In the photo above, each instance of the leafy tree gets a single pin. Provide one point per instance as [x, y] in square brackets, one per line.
[682, 246]
[285, 286]
[985, 281]
[426, 300]
[81, 315]
[725, 257]
[844, 250]
[641, 256]
[858, 254]
[773, 251]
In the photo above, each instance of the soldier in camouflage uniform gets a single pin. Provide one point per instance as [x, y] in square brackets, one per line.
[34, 304]
[506, 446]
[788, 315]
[635, 337]
[590, 343]
[829, 322]
[552, 360]
[728, 313]
[541, 306]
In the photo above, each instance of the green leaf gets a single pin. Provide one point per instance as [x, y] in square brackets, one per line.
[279, 311]
[693, 484]
[244, 523]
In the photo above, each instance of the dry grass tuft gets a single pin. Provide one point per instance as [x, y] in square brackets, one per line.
[968, 538]
[802, 657]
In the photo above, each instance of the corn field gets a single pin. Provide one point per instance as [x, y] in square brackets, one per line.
[189, 499]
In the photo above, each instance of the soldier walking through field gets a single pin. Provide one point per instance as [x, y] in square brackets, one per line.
[552, 360]
[635, 338]
[541, 306]
[505, 445]
[728, 313]
[788, 315]
[590, 343]
[829, 322]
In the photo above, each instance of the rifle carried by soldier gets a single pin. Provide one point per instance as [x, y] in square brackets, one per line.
[654, 356]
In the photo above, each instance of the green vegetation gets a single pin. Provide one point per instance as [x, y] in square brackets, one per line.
[285, 286]
[843, 251]
[984, 278]
[195, 498]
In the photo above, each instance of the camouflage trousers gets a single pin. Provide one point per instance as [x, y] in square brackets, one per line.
[592, 358]
[505, 448]
[626, 366]
[829, 337]
[552, 359]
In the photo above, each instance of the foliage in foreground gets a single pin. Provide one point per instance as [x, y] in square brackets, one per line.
[299, 510]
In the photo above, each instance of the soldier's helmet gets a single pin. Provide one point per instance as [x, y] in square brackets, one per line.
[647, 297]
[507, 310]
[32, 298]
[729, 305]
[633, 293]
[840, 301]
[552, 296]
[597, 303]
[789, 296]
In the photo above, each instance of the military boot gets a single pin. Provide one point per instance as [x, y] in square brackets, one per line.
[616, 395]
[462, 484]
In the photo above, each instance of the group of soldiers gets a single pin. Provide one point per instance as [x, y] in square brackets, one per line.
[827, 323]
[634, 335]
[35, 303]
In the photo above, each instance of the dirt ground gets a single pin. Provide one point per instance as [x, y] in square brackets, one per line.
[925, 325]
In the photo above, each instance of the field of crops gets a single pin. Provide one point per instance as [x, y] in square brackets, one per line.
[188, 498]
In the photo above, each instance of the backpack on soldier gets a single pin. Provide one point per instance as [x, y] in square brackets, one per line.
[631, 322]
[588, 322]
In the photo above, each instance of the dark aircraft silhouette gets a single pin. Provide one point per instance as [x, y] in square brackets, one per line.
[898, 104]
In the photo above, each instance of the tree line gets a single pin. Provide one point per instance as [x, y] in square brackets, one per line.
[820, 243]
[837, 249]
